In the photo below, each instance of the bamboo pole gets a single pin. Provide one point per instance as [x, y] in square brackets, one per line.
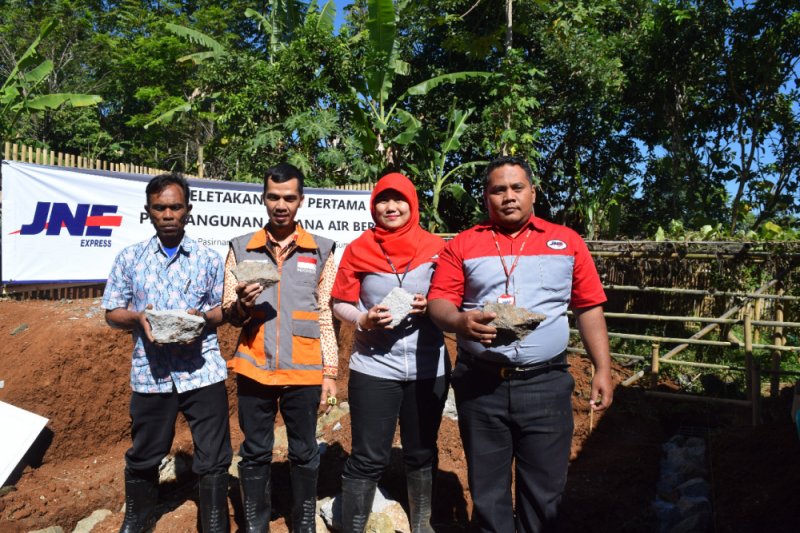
[696, 364]
[754, 381]
[699, 342]
[654, 365]
[612, 354]
[759, 307]
[7, 152]
[60, 159]
[778, 340]
[701, 319]
[698, 292]
[14, 152]
[38, 155]
[694, 398]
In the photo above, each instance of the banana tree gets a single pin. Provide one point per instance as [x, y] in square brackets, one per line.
[285, 15]
[436, 176]
[19, 93]
[380, 121]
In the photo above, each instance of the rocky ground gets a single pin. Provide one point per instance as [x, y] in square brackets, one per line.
[60, 360]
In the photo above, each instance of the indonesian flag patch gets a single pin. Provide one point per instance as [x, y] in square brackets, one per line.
[307, 264]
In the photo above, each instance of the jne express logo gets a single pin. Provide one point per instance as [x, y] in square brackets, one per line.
[86, 221]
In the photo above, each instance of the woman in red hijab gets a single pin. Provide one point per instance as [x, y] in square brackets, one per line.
[398, 368]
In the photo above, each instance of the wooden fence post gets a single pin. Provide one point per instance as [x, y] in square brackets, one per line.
[7, 153]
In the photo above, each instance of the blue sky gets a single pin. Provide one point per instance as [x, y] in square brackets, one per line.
[340, 10]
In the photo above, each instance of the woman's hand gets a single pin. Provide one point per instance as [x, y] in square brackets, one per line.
[419, 306]
[376, 318]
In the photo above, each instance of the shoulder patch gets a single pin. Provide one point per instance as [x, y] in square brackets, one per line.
[556, 244]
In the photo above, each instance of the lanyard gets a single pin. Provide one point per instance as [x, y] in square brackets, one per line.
[388, 260]
[516, 259]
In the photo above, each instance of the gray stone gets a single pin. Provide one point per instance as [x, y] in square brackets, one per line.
[51, 529]
[387, 515]
[450, 410]
[88, 523]
[173, 467]
[399, 303]
[398, 519]
[262, 272]
[174, 326]
[513, 323]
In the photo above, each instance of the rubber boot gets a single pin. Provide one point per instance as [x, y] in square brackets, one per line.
[420, 487]
[254, 482]
[304, 499]
[357, 497]
[214, 503]
[141, 494]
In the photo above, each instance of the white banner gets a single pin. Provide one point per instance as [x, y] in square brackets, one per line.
[67, 225]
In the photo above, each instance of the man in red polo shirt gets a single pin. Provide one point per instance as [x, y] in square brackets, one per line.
[514, 399]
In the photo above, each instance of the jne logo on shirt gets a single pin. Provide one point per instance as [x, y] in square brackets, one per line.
[307, 264]
[556, 244]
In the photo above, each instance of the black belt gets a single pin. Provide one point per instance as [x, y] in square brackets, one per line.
[558, 362]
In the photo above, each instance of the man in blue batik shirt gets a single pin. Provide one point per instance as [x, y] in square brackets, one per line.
[172, 271]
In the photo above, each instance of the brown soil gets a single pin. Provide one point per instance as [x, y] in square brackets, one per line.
[60, 360]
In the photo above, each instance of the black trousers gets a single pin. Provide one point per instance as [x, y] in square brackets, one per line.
[258, 406]
[526, 423]
[375, 406]
[153, 418]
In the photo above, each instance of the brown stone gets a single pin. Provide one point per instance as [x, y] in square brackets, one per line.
[512, 323]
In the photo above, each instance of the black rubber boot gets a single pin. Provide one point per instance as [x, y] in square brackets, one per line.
[214, 503]
[141, 494]
[254, 482]
[420, 488]
[304, 499]
[357, 497]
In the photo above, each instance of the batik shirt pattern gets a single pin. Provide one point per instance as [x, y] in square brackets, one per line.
[143, 274]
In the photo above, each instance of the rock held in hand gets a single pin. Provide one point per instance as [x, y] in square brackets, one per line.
[261, 272]
[174, 326]
[399, 303]
[513, 323]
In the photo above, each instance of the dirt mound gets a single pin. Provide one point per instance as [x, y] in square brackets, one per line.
[60, 360]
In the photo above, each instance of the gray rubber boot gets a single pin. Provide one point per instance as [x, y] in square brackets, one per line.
[420, 488]
[214, 503]
[141, 494]
[357, 498]
[254, 482]
[304, 499]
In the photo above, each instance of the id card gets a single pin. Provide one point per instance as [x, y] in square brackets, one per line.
[506, 299]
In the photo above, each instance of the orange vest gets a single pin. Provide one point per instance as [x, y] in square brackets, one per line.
[280, 344]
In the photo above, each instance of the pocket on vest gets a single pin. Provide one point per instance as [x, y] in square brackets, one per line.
[306, 348]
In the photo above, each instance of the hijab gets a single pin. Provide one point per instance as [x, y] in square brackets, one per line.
[407, 247]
